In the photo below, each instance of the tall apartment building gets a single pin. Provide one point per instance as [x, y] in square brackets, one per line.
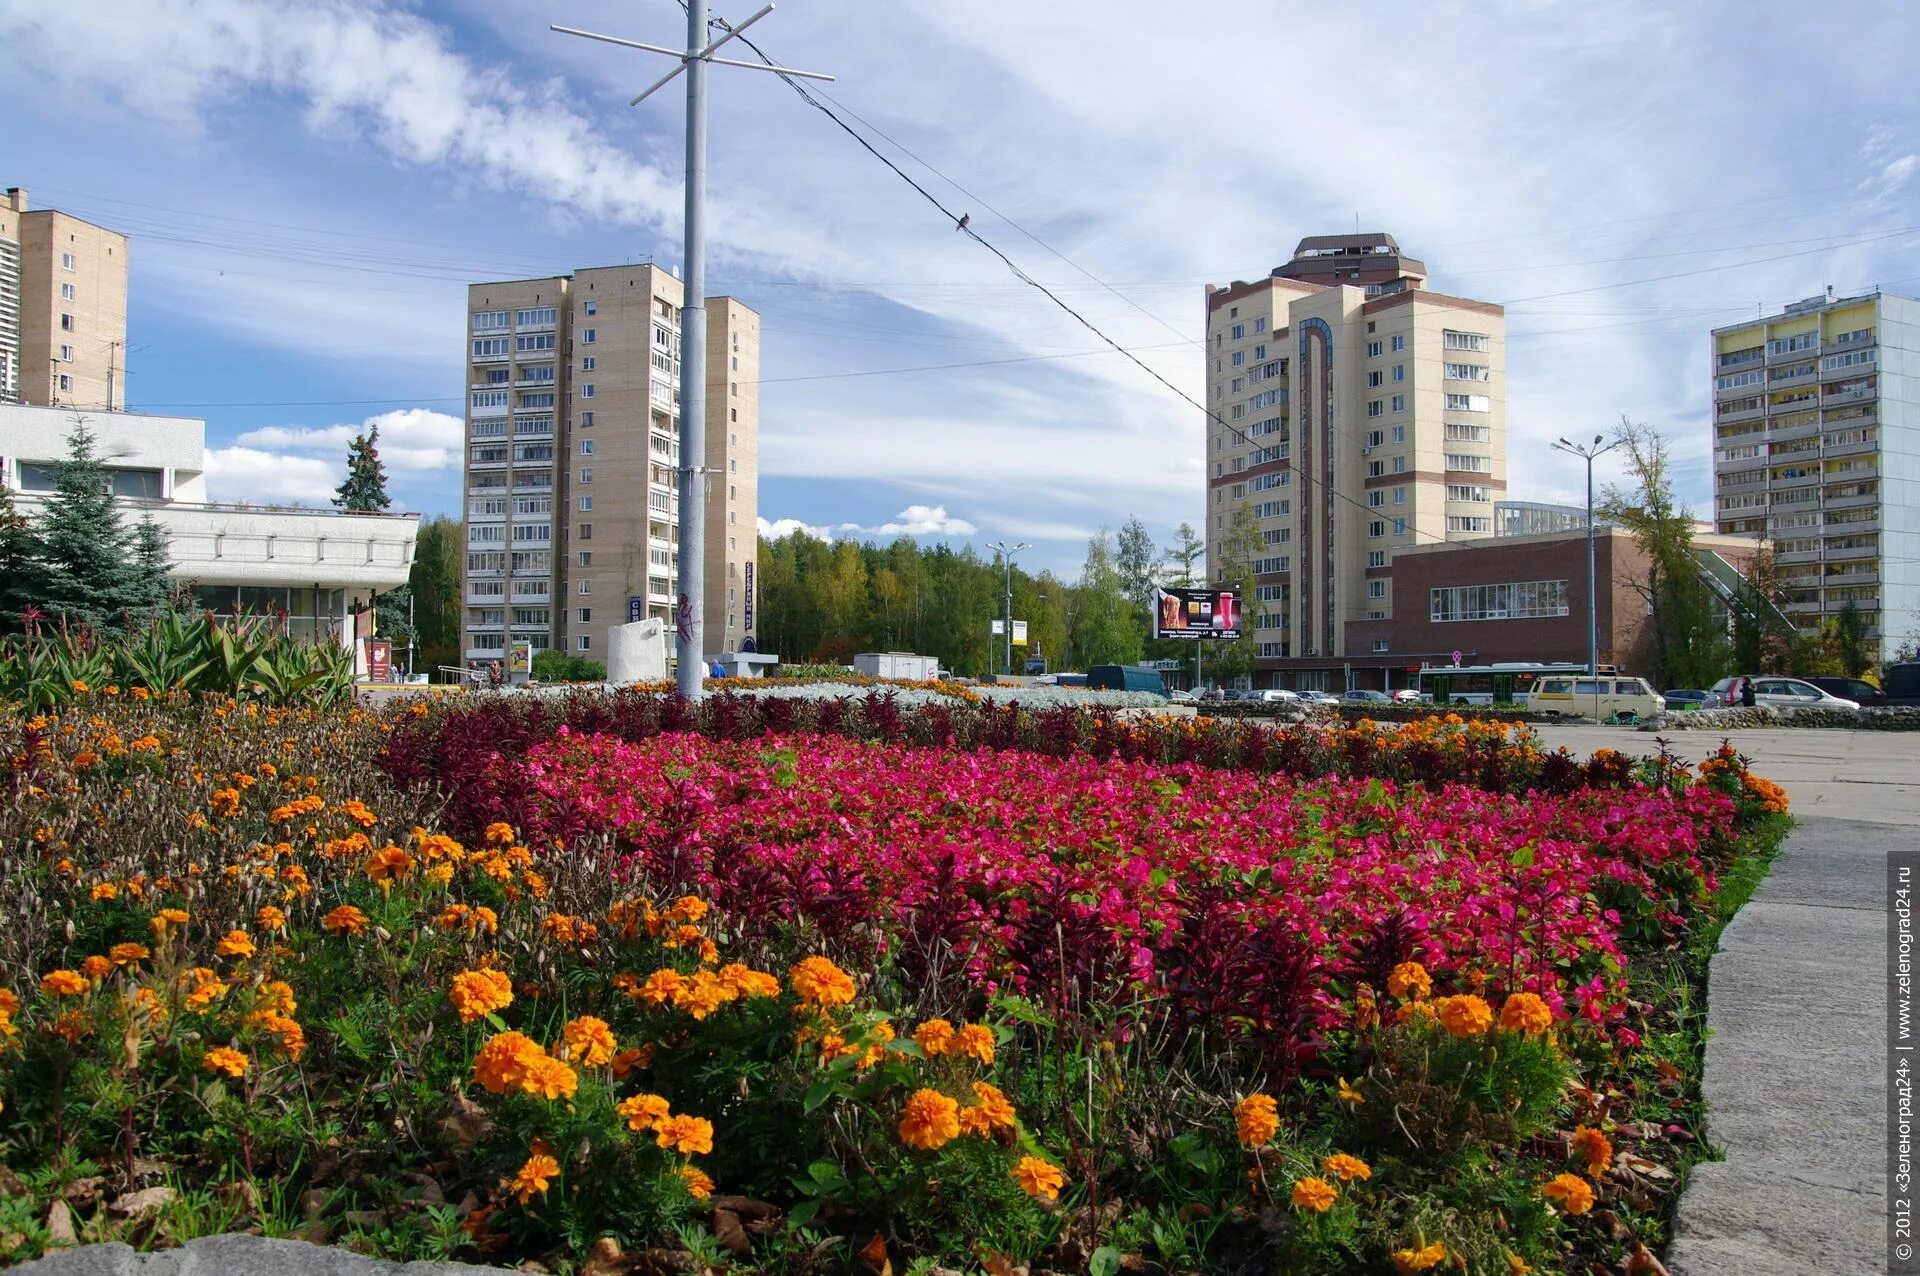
[573, 441]
[1816, 422]
[63, 308]
[1351, 413]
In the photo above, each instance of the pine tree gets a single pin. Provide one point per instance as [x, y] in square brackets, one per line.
[1186, 551]
[151, 567]
[1134, 557]
[91, 572]
[20, 583]
[365, 489]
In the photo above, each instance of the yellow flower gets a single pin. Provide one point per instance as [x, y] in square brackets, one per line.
[475, 993]
[1258, 1119]
[1409, 979]
[235, 943]
[1465, 1015]
[699, 1186]
[1350, 1095]
[930, 1120]
[64, 983]
[533, 1177]
[269, 918]
[684, 1134]
[225, 1059]
[503, 1061]
[1525, 1012]
[991, 1111]
[642, 1111]
[933, 1037]
[1518, 1266]
[976, 1039]
[1314, 1194]
[166, 919]
[1346, 1168]
[205, 993]
[746, 982]
[1408, 1261]
[128, 954]
[818, 982]
[703, 994]
[1594, 1148]
[589, 1041]
[549, 1078]
[661, 987]
[389, 863]
[1572, 1193]
[1038, 1179]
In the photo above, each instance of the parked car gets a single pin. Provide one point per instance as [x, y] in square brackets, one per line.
[1603, 698]
[1126, 678]
[1320, 697]
[1679, 699]
[1407, 695]
[1788, 695]
[1278, 694]
[1367, 697]
[1181, 696]
[1901, 683]
[1868, 695]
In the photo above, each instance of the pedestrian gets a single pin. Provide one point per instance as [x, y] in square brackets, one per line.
[493, 673]
[1746, 693]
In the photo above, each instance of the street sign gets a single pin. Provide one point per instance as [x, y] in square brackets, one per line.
[999, 628]
[1456, 656]
[1019, 633]
[636, 609]
[746, 623]
[379, 660]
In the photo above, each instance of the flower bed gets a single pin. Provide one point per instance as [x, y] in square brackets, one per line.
[1168, 995]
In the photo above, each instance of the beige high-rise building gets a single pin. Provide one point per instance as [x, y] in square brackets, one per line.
[63, 308]
[1351, 413]
[573, 439]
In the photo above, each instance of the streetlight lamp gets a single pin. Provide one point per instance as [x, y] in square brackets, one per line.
[1006, 557]
[1587, 452]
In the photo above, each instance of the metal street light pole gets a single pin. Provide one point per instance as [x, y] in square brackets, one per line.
[1587, 452]
[1006, 557]
[689, 633]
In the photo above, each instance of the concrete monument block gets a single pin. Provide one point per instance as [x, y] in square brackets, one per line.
[637, 652]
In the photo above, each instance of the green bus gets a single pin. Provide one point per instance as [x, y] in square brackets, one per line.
[1488, 684]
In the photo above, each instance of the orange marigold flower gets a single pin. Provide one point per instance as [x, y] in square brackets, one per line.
[1465, 1015]
[502, 1062]
[630, 1060]
[933, 1037]
[684, 1134]
[127, 954]
[642, 1111]
[991, 1111]
[703, 994]
[499, 833]
[358, 812]
[1573, 1193]
[1038, 1179]
[1592, 1147]
[1346, 1168]
[96, 968]
[205, 993]
[699, 1186]
[235, 943]
[1314, 1194]
[269, 918]
[277, 995]
[688, 908]
[589, 1041]
[661, 987]
[818, 982]
[532, 1178]
[291, 1036]
[1258, 1119]
[166, 919]
[549, 1078]
[345, 920]
[475, 993]
[389, 863]
[930, 1120]
[976, 1041]
[1409, 981]
[1408, 1261]
[1525, 1012]
[64, 983]
[103, 890]
[747, 982]
[225, 1059]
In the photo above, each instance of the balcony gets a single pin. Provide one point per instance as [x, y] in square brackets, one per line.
[1788, 433]
[1743, 414]
[1858, 447]
[1852, 502]
[1852, 552]
[502, 357]
[530, 598]
[1797, 556]
[1788, 356]
[1840, 398]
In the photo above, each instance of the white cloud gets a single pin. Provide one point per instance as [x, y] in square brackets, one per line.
[781, 528]
[251, 474]
[411, 439]
[923, 520]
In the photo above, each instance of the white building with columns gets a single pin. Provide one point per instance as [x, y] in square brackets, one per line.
[319, 568]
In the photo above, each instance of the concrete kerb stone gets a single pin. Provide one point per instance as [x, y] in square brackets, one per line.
[233, 1255]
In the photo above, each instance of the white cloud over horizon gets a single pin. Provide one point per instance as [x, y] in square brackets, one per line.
[410, 439]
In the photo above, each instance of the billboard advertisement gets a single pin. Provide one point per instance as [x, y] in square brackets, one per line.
[1196, 613]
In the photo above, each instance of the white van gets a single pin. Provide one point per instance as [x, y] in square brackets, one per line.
[1602, 698]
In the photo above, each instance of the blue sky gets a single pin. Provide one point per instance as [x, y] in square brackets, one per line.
[309, 186]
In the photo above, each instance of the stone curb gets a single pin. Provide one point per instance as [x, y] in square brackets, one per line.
[233, 1255]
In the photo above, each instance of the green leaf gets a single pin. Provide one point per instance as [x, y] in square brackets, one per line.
[1522, 858]
[817, 1094]
[1104, 1261]
[802, 1214]
[499, 1024]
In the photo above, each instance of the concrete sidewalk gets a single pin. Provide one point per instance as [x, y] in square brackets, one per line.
[1797, 1008]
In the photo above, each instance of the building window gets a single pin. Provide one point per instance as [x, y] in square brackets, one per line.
[68, 262]
[1376, 589]
[1399, 372]
[489, 320]
[1373, 349]
[586, 447]
[586, 558]
[586, 587]
[1469, 403]
[1518, 601]
[68, 292]
[1376, 558]
[586, 363]
[1479, 342]
[1399, 527]
[586, 534]
[1376, 529]
[66, 383]
[1399, 342]
[1239, 329]
[1259, 325]
[1399, 431]
[586, 504]
[539, 316]
[586, 420]
[733, 388]
[1379, 645]
[66, 354]
[586, 474]
[1374, 378]
[590, 308]
[586, 643]
[587, 336]
[1376, 407]
[1376, 498]
[586, 391]
[1471, 464]
[1399, 496]
[1468, 523]
[1466, 372]
[586, 615]
[1399, 464]
[66, 323]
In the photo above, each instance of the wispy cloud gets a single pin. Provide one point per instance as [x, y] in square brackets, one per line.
[253, 474]
[414, 439]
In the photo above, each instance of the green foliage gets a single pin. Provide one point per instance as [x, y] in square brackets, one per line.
[246, 657]
[364, 490]
[1107, 629]
[19, 565]
[1137, 562]
[550, 665]
[439, 556]
[1850, 641]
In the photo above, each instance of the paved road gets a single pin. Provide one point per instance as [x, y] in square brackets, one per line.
[1797, 1011]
